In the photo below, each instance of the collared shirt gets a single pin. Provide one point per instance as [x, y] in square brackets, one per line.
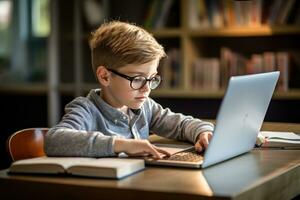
[90, 126]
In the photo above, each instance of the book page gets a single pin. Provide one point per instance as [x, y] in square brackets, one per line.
[66, 162]
[280, 135]
[94, 167]
[272, 140]
[47, 164]
[280, 139]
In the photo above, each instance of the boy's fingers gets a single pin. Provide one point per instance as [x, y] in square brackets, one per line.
[209, 136]
[205, 141]
[153, 151]
[162, 151]
[198, 147]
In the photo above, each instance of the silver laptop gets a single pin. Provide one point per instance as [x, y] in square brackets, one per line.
[238, 122]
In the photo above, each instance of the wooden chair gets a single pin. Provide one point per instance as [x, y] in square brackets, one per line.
[26, 143]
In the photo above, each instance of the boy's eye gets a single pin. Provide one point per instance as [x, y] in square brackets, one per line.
[139, 79]
[156, 78]
[138, 82]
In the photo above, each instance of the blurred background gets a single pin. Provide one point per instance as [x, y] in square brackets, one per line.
[45, 58]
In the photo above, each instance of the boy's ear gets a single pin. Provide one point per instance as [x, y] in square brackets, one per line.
[103, 75]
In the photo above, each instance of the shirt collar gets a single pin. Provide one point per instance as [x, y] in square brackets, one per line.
[107, 110]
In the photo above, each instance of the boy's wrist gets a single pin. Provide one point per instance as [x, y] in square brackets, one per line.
[120, 145]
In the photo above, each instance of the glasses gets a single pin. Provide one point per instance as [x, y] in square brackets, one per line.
[138, 82]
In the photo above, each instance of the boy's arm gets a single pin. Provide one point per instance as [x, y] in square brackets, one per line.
[172, 125]
[72, 138]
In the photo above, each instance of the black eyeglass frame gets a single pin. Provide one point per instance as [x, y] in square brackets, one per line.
[131, 78]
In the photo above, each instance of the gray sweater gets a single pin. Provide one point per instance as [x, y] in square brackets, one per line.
[90, 125]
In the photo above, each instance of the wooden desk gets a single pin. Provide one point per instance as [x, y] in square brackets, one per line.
[260, 174]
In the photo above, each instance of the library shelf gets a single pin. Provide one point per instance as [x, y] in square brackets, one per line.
[218, 94]
[263, 30]
[24, 88]
[167, 32]
[68, 89]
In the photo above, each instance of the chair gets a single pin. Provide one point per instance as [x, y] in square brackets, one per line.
[26, 143]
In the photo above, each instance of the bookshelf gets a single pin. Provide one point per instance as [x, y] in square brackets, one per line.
[292, 94]
[263, 30]
[68, 89]
[193, 45]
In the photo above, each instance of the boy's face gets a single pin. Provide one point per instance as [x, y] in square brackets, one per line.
[119, 93]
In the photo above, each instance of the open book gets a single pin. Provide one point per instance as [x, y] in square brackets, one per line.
[92, 167]
[278, 139]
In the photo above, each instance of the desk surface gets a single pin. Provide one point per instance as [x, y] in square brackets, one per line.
[260, 174]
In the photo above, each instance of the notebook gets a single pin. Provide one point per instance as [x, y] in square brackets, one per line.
[238, 122]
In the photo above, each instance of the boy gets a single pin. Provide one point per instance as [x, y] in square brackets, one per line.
[118, 117]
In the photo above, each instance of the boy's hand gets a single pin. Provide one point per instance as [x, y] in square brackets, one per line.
[138, 148]
[203, 141]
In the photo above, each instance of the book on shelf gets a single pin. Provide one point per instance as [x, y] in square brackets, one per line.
[170, 69]
[271, 139]
[243, 13]
[198, 17]
[218, 13]
[212, 73]
[152, 13]
[206, 74]
[285, 12]
[116, 168]
[234, 64]
[283, 67]
[274, 11]
[157, 14]
[162, 18]
[294, 71]
[269, 61]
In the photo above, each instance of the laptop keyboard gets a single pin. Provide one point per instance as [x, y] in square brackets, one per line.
[190, 156]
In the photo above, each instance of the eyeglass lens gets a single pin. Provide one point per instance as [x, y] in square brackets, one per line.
[139, 81]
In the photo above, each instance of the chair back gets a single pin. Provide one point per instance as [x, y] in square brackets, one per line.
[26, 143]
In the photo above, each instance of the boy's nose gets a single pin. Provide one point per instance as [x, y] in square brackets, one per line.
[146, 87]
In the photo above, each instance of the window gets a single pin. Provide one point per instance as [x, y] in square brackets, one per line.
[24, 32]
[40, 18]
[5, 23]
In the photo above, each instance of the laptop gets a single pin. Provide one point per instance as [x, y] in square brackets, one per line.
[238, 123]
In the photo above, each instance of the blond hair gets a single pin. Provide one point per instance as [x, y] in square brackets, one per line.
[116, 44]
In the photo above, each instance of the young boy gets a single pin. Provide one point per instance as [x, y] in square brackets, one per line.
[119, 116]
